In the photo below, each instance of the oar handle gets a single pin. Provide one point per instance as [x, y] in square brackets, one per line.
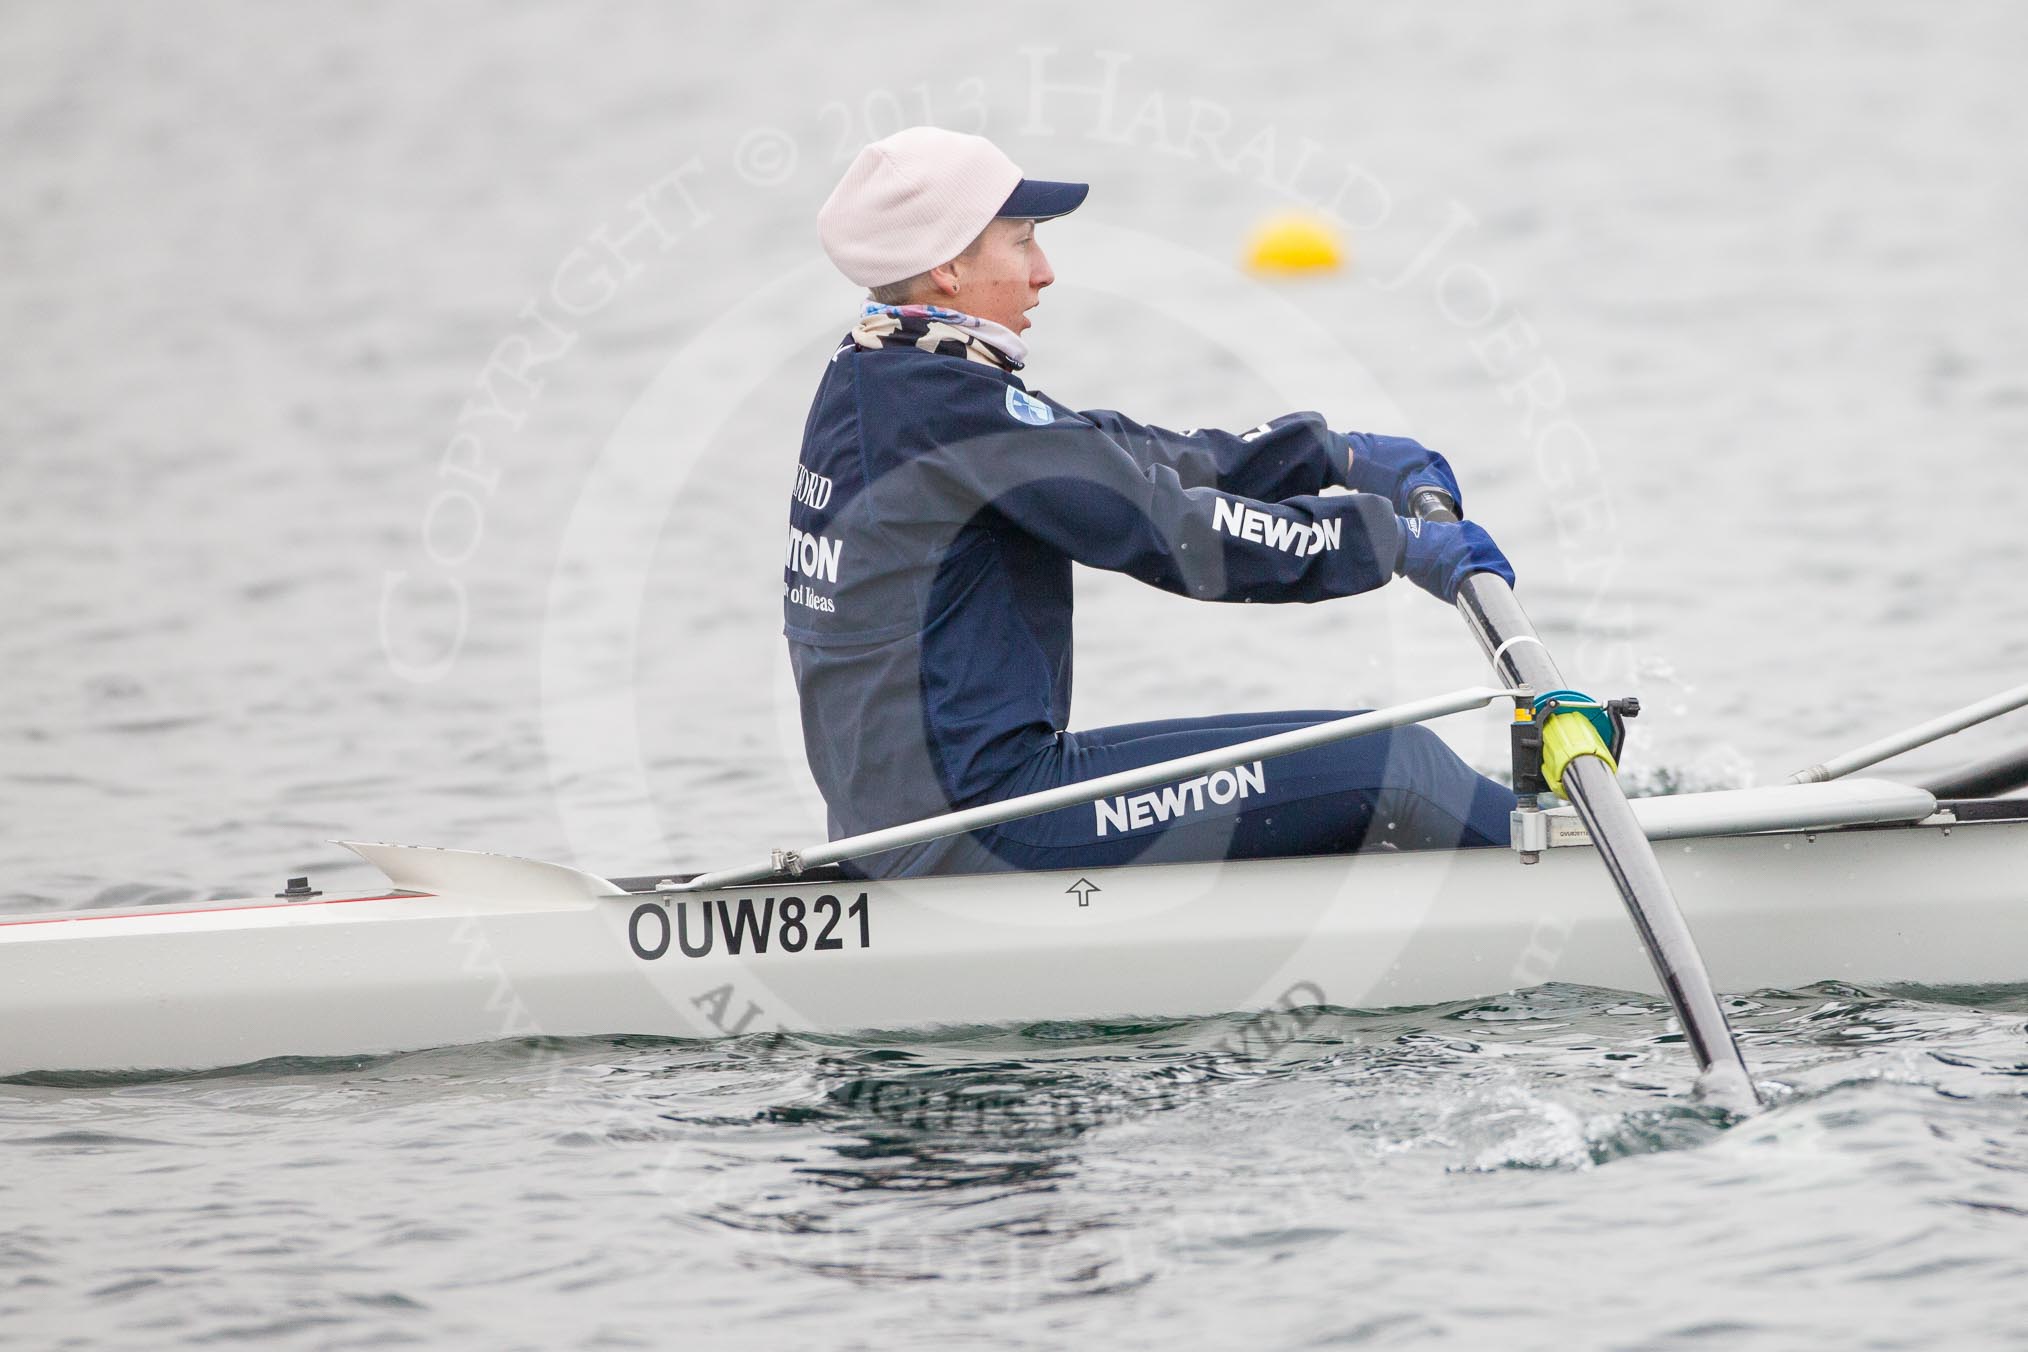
[1433, 504]
[1504, 631]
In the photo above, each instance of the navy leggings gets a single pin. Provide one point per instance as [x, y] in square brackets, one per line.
[1403, 787]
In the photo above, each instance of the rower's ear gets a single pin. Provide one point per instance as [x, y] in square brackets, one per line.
[944, 277]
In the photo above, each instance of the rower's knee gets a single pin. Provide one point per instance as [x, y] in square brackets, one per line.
[1418, 756]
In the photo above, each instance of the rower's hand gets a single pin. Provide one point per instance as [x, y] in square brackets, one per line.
[1397, 468]
[1439, 555]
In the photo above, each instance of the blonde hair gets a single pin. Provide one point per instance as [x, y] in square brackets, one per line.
[897, 293]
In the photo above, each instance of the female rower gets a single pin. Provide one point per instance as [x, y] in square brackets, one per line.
[938, 507]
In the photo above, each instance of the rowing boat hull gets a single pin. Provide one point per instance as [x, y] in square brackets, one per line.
[492, 951]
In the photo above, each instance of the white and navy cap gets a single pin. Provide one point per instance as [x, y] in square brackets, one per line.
[915, 199]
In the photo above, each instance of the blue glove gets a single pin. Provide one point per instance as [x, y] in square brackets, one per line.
[1395, 467]
[1439, 555]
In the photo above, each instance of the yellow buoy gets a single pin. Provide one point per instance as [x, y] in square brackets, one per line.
[1294, 243]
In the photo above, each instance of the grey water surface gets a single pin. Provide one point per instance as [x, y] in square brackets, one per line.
[395, 418]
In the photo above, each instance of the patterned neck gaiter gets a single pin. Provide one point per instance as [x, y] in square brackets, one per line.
[935, 329]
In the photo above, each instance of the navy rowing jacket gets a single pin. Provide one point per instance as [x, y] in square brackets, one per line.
[937, 509]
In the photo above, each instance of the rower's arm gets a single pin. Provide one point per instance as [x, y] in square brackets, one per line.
[1284, 457]
[1069, 484]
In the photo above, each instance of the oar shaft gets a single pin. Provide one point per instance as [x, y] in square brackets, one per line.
[1105, 786]
[1520, 659]
[1936, 729]
[1504, 631]
[1604, 809]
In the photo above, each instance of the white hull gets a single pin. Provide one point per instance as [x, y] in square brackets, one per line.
[501, 948]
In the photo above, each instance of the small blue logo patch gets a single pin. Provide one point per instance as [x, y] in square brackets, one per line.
[1026, 408]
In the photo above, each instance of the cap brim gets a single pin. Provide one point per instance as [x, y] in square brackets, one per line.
[1035, 199]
